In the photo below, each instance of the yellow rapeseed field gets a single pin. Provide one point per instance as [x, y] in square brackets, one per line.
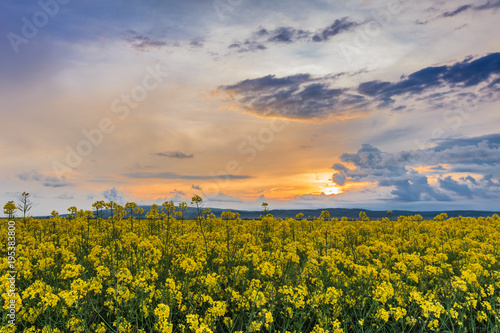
[85, 273]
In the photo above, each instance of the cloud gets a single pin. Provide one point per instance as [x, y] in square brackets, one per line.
[177, 198]
[438, 168]
[290, 35]
[457, 11]
[47, 181]
[174, 154]
[65, 196]
[142, 42]
[470, 179]
[493, 140]
[297, 96]
[479, 155]
[197, 42]
[489, 4]
[113, 195]
[177, 192]
[196, 187]
[473, 72]
[302, 96]
[172, 175]
[337, 27]
[452, 185]
[222, 197]
[287, 35]
[247, 46]
[476, 151]
[91, 196]
[416, 188]
[269, 82]
[415, 83]
[370, 163]
[460, 75]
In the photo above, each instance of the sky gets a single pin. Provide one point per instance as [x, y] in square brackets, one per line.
[301, 104]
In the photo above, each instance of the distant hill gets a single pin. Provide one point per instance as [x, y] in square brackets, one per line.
[350, 213]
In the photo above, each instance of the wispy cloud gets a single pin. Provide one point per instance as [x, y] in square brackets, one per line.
[489, 4]
[289, 35]
[47, 181]
[222, 197]
[457, 11]
[65, 196]
[174, 154]
[172, 175]
[177, 192]
[143, 42]
[337, 27]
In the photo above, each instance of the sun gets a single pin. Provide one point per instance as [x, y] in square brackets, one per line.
[329, 190]
[322, 183]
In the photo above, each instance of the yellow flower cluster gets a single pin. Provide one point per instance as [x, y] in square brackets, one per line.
[167, 274]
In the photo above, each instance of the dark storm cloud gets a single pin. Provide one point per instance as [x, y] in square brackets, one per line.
[463, 74]
[303, 96]
[297, 96]
[415, 83]
[473, 72]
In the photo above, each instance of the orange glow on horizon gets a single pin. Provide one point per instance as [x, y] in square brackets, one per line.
[286, 188]
[326, 184]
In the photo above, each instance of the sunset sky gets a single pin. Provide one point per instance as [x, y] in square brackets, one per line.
[302, 104]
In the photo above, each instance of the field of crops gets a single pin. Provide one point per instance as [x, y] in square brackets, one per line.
[86, 273]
